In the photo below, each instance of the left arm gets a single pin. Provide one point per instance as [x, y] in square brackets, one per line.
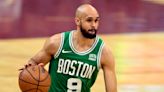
[108, 66]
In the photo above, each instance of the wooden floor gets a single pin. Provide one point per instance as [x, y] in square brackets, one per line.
[139, 61]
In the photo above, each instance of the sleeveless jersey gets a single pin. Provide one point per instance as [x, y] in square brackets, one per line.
[73, 71]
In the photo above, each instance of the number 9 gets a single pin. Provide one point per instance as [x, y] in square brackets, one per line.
[74, 85]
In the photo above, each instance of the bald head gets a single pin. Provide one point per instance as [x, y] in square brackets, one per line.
[87, 20]
[84, 10]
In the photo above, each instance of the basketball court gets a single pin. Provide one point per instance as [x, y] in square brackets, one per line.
[139, 61]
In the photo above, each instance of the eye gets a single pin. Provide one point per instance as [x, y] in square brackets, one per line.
[96, 20]
[89, 20]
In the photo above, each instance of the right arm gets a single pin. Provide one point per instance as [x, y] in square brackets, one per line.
[50, 48]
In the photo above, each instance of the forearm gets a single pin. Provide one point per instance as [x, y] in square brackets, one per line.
[32, 61]
[110, 81]
[41, 57]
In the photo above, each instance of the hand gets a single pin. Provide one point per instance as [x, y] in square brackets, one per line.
[41, 64]
[25, 66]
[31, 64]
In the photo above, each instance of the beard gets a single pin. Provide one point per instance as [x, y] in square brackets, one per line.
[88, 33]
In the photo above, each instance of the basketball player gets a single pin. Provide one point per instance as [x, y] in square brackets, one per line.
[76, 56]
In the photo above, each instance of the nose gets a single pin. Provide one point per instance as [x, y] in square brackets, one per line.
[93, 24]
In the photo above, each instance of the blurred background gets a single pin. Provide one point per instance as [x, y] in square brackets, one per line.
[132, 29]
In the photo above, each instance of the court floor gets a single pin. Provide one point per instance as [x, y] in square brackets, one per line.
[139, 61]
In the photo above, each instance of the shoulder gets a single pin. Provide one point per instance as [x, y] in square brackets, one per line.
[52, 43]
[107, 58]
[55, 39]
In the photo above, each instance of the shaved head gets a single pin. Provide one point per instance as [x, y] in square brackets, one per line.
[87, 20]
[84, 10]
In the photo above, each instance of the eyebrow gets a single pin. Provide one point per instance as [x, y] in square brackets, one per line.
[92, 17]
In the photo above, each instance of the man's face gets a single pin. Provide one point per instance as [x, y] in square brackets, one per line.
[89, 26]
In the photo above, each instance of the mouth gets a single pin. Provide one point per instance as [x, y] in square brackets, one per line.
[92, 31]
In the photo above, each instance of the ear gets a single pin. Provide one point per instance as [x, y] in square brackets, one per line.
[77, 21]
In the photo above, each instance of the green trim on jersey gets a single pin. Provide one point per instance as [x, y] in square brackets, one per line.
[73, 71]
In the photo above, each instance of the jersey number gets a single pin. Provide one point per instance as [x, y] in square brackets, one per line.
[74, 85]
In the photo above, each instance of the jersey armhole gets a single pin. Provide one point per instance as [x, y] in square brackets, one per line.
[99, 56]
[60, 47]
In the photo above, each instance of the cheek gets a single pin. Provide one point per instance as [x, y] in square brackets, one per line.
[97, 24]
[86, 26]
